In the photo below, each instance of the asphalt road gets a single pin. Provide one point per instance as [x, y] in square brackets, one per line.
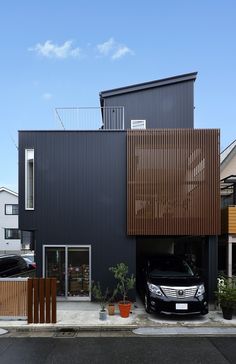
[120, 350]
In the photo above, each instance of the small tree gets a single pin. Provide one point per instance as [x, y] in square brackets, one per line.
[99, 295]
[125, 282]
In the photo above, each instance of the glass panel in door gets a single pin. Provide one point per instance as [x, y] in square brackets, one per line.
[78, 272]
[55, 267]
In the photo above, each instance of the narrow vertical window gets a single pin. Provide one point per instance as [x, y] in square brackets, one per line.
[29, 179]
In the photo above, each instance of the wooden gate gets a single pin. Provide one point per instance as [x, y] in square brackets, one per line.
[41, 300]
[13, 297]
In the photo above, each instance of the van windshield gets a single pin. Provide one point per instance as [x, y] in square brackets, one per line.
[169, 267]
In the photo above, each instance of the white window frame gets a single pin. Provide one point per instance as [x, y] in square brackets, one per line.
[26, 179]
[66, 298]
[11, 204]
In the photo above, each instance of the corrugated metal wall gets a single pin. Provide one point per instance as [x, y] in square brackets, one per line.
[169, 106]
[80, 195]
[173, 182]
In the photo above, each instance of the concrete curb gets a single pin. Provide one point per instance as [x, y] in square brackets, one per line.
[57, 328]
[96, 328]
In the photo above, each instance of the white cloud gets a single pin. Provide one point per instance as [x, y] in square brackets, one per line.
[47, 96]
[113, 49]
[51, 50]
[106, 47]
[121, 52]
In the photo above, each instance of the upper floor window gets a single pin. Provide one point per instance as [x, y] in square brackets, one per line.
[11, 210]
[12, 234]
[29, 179]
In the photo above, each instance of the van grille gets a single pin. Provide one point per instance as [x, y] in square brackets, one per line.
[179, 292]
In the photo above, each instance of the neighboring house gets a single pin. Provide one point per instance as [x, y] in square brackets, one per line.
[227, 246]
[94, 198]
[9, 232]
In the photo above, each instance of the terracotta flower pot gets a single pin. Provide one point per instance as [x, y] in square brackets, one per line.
[124, 309]
[111, 309]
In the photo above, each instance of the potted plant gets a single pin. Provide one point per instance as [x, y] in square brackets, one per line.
[111, 304]
[226, 296]
[101, 298]
[124, 284]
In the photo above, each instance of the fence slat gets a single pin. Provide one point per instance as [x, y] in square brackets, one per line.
[41, 300]
[53, 293]
[48, 291]
[36, 300]
[30, 301]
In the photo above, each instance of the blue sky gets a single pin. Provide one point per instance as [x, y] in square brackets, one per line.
[62, 53]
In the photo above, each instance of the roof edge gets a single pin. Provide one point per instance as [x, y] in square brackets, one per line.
[151, 84]
[8, 190]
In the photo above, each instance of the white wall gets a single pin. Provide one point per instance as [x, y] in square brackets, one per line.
[229, 166]
[8, 221]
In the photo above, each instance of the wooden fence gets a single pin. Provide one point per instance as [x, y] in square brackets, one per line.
[41, 300]
[32, 298]
[13, 297]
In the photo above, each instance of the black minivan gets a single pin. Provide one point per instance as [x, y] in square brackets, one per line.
[11, 265]
[168, 285]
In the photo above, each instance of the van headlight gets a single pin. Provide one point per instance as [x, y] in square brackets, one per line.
[154, 289]
[200, 290]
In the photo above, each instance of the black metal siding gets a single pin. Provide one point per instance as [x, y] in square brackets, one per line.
[80, 195]
[169, 106]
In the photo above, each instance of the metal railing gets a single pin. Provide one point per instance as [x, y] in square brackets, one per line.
[90, 118]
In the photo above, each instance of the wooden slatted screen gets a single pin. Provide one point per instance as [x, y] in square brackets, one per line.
[13, 297]
[42, 300]
[173, 182]
[228, 220]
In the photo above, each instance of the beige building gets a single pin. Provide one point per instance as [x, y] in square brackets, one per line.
[228, 204]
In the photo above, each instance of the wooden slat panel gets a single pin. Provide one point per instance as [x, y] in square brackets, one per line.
[173, 182]
[13, 298]
[48, 293]
[30, 301]
[228, 220]
[232, 219]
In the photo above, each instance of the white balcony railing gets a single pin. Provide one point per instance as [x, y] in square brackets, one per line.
[91, 118]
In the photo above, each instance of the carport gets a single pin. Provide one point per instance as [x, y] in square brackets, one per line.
[194, 249]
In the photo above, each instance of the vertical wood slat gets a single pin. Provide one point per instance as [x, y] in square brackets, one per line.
[30, 301]
[41, 300]
[47, 292]
[36, 300]
[174, 172]
[53, 293]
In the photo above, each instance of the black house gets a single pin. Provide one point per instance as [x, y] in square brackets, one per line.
[144, 182]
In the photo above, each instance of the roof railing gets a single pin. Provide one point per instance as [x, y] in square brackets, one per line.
[90, 118]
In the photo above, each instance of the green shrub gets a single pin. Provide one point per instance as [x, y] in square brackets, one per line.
[226, 292]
